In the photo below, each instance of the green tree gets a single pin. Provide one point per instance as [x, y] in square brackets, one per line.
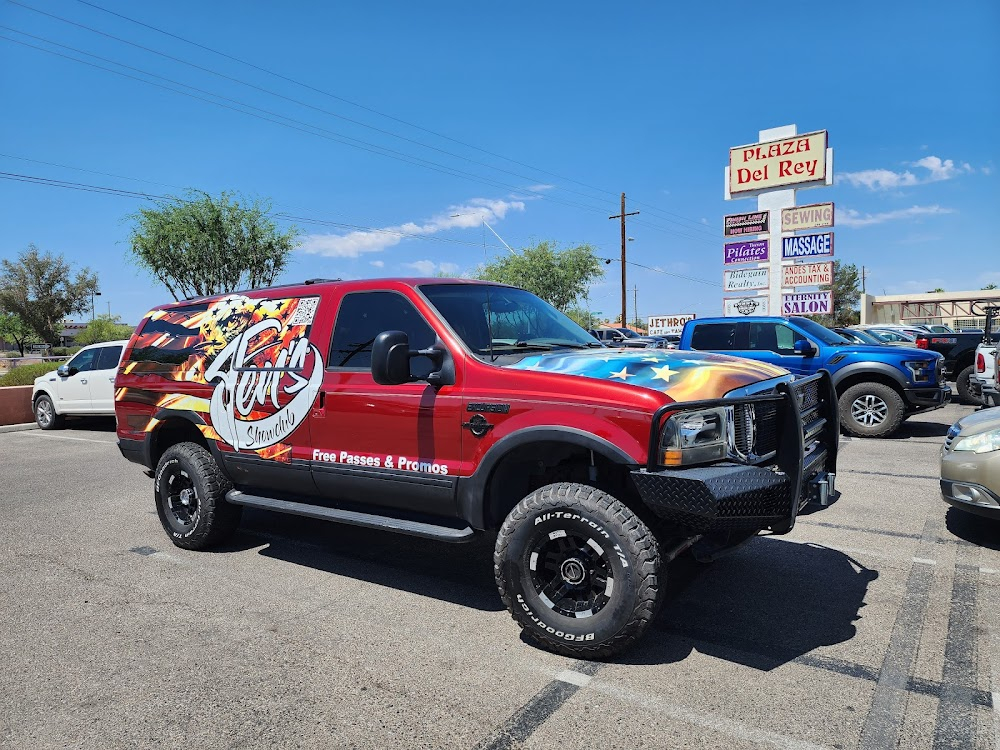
[560, 277]
[202, 245]
[846, 295]
[989, 286]
[14, 330]
[104, 328]
[584, 318]
[42, 289]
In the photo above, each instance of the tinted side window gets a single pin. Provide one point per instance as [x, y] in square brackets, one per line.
[714, 336]
[773, 337]
[84, 361]
[108, 359]
[363, 316]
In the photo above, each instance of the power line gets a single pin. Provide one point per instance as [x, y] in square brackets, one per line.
[664, 214]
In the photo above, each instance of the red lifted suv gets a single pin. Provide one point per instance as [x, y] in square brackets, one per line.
[445, 408]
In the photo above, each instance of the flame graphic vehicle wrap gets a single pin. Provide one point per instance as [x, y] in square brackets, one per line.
[254, 353]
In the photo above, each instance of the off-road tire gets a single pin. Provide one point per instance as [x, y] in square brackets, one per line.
[964, 387]
[45, 414]
[213, 520]
[629, 554]
[895, 411]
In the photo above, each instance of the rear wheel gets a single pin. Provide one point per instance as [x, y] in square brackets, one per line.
[578, 570]
[45, 414]
[963, 384]
[191, 498]
[871, 410]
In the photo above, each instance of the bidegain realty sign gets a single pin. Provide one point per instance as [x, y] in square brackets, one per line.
[790, 161]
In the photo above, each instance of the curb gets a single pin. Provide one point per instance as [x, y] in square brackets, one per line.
[18, 427]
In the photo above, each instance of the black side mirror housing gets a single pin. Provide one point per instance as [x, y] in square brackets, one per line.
[391, 355]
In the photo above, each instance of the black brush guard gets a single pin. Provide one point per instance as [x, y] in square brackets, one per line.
[733, 495]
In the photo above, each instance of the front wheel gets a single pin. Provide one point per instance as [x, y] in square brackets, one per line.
[578, 570]
[45, 414]
[871, 410]
[191, 498]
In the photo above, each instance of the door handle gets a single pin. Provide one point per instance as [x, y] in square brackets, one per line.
[83, 381]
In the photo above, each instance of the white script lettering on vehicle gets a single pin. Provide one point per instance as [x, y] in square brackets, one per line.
[244, 386]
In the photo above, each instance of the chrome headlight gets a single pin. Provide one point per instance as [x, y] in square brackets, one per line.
[694, 437]
[984, 442]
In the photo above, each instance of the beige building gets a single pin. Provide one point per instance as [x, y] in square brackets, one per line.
[955, 309]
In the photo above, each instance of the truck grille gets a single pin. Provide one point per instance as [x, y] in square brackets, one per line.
[755, 431]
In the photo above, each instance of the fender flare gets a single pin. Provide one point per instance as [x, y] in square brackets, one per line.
[163, 415]
[861, 368]
[471, 490]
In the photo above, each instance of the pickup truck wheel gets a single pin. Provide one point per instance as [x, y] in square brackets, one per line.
[578, 570]
[190, 496]
[963, 384]
[45, 414]
[871, 410]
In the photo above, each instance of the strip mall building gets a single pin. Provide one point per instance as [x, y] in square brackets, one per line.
[955, 309]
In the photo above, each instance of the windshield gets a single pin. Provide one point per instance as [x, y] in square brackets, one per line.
[504, 319]
[862, 337]
[628, 333]
[815, 330]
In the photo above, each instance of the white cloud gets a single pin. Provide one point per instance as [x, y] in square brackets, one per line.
[378, 263]
[354, 244]
[937, 170]
[428, 267]
[851, 218]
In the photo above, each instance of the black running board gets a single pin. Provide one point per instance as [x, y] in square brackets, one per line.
[355, 518]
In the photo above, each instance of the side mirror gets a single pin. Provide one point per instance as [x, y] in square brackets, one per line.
[804, 346]
[391, 355]
[63, 371]
[391, 358]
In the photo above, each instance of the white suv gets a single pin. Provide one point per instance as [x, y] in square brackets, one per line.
[83, 386]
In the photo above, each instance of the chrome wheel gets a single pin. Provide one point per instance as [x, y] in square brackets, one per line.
[45, 413]
[869, 410]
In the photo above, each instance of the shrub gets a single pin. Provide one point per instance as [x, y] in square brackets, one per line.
[26, 374]
[64, 351]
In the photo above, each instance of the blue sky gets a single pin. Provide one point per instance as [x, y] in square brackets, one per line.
[583, 101]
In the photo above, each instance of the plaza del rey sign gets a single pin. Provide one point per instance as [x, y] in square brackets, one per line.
[795, 160]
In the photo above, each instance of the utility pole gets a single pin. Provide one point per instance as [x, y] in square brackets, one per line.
[864, 275]
[635, 303]
[622, 216]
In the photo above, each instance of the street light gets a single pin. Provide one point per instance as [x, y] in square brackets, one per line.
[93, 313]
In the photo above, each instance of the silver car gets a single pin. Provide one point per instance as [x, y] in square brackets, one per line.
[970, 463]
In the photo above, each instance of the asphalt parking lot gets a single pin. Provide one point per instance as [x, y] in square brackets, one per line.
[874, 624]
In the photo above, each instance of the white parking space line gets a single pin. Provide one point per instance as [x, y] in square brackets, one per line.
[924, 561]
[988, 571]
[574, 678]
[67, 437]
[703, 719]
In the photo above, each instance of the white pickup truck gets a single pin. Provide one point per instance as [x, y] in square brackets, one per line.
[84, 386]
[988, 372]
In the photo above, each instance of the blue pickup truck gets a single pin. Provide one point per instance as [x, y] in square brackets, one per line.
[878, 386]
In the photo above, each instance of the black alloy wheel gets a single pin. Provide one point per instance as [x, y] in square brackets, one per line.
[570, 573]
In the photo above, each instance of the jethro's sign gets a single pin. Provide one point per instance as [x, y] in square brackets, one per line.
[737, 225]
[661, 325]
[816, 216]
[807, 274]
[790, 161]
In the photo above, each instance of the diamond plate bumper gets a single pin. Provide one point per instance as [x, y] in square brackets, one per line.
[727, 496]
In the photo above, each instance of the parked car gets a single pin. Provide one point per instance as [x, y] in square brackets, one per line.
[959, 351]
[870, 337]
[444, 408]
[84, 386]
[986, 376]
[893, 335]
[877, 386]
[970, 464]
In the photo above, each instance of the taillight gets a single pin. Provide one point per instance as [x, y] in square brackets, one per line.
[922, 343]
[980, 363]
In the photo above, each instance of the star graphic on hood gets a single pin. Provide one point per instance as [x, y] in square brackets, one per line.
[663, 373]
[623, 374]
